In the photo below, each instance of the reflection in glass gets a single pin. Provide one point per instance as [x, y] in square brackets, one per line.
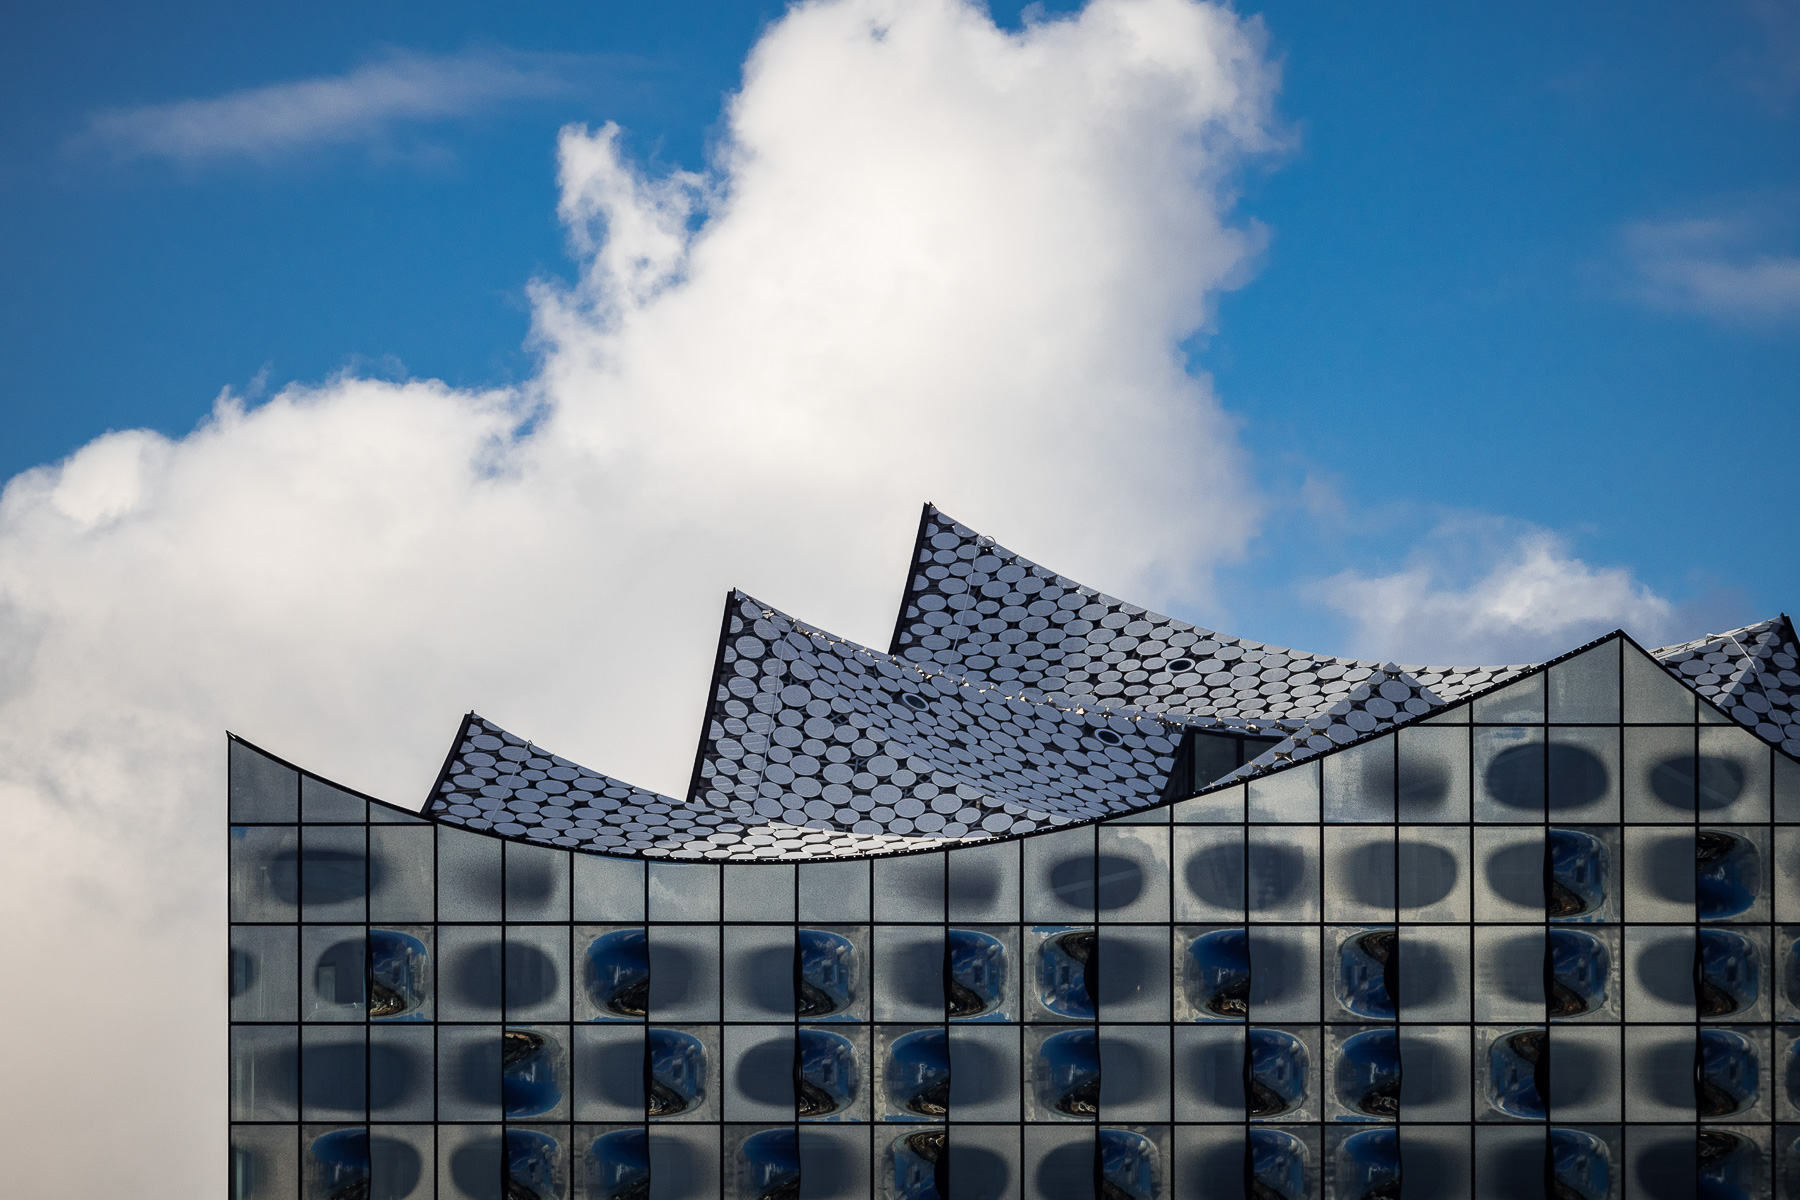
[340, 1164]
[1730, 973]
[1731, 1167]
[1069, 1073]
[1580, 966]
[1130, 1167]
[1277, 1165]
[918, 1073]
[1067, 974]
[533, 1166]
[1219, 978]
[1580, 1166]
[1368, 1073]
[828, 1075]
[677, 1072]
[1728, 1078]
[827, 972]
[1278, 1068]
[1518, 1070]
[619, 1166]
[530, 1073]
[977, 979]
[397, 974]
[1728, 874]
[920, 1166]
[1578, 873]
[769, 1166]
[617, 972]
[1368, 1166]
[1368, 970]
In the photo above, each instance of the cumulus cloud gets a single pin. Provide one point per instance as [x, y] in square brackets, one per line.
[1490, 592]
[932, 260]
[363, 105]
[1720, 266]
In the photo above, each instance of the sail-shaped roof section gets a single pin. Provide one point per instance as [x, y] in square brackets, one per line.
[1752, 674]
[975, 609]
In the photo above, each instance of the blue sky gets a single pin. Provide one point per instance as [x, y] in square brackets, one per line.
[1477, 310]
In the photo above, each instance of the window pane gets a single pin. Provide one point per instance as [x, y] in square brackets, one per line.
[319, 801]
[684, 891]
[261, 788]
[468, 876]
[400, 873]
[265, 873]
[263, 961]
[608, 889]
[537, 883]
[1586, 688]
[759, 892]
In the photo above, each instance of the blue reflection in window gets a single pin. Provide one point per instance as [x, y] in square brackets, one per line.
[1368, 1073]
[1578, 874]
[342, 1160]
[1069, 1073]
[1277, 1165]
[1728, 874]
[1279, 1064]
[1068, 973]
[677, 1072]
[1518, 1070]
[1731, 1167]
[918, 1073]
[1580, 967]
[827, 972]
[1368, 1166]
[398, 975]
[920, 1166]
[828, 1073]
[1580, 1166]
[977, 978]
[1729, 1078]
[1219, 977]
[1130, 1167]
[530, 1082]
[619, 1166]
[769, 1166]
[533, 1166]
[617, 972]
[1368, 970]
[1730, 973]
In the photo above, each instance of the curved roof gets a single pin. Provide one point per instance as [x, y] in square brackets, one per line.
[1014, 700]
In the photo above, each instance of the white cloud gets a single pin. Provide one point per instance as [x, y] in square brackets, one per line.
[1716, 266]
[935, 260]
[363, 105]
[1488, 592]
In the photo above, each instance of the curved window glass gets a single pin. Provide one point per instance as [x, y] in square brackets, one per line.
[677, 1072]
[619, 1166]
[1068, 973]
[530, 1073]
[1580, 966]
[1219, 973]
[1728, 874]
[918, 1073]
[1731, 1167]
[1518, 1070]
[1277, 1165]
[769, 1166]
[533, 1166]
[1367, 974]
[399, 975]
[1729, 1080]
[1580, 1166]
[1069, 1073]
[1368, 1073]
[919, 1166]
[1130, 1167]
[977, 981]
[828, 1075]
[340, 1163]
[1368, 1165]
[827, 972]
[1579, 865]
[617, 972]
[1279, 1064]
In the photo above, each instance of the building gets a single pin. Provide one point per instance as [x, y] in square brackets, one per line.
[1058, 898]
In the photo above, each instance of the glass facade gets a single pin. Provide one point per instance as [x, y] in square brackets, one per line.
[1544, 943]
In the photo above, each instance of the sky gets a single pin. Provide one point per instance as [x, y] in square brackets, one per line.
[365, 367]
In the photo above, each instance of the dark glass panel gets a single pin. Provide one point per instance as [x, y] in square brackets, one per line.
[1518, 1073]
[977, 981]
[401, 873]
[1068, 1073]
[768, 1166]
[399, 975]
[1728, 874]
[1368, 974]
[1280, 1065]
[261, 788]
[1368, 1073]
[537, 883]
[618, 1166]
[921, 1166]
[616, 973]
[677, 1072]
[336, 1166]
[1728, 1076]
[1580, 971]
[320, 802]
[1068, 973]
[1277, 1165]
[534, 1073]
[828, 973]
[1130, 1165]
[918, 1073]
[1219, 973]
[1367, 1166]
[534, 1165]
[828, 1076]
